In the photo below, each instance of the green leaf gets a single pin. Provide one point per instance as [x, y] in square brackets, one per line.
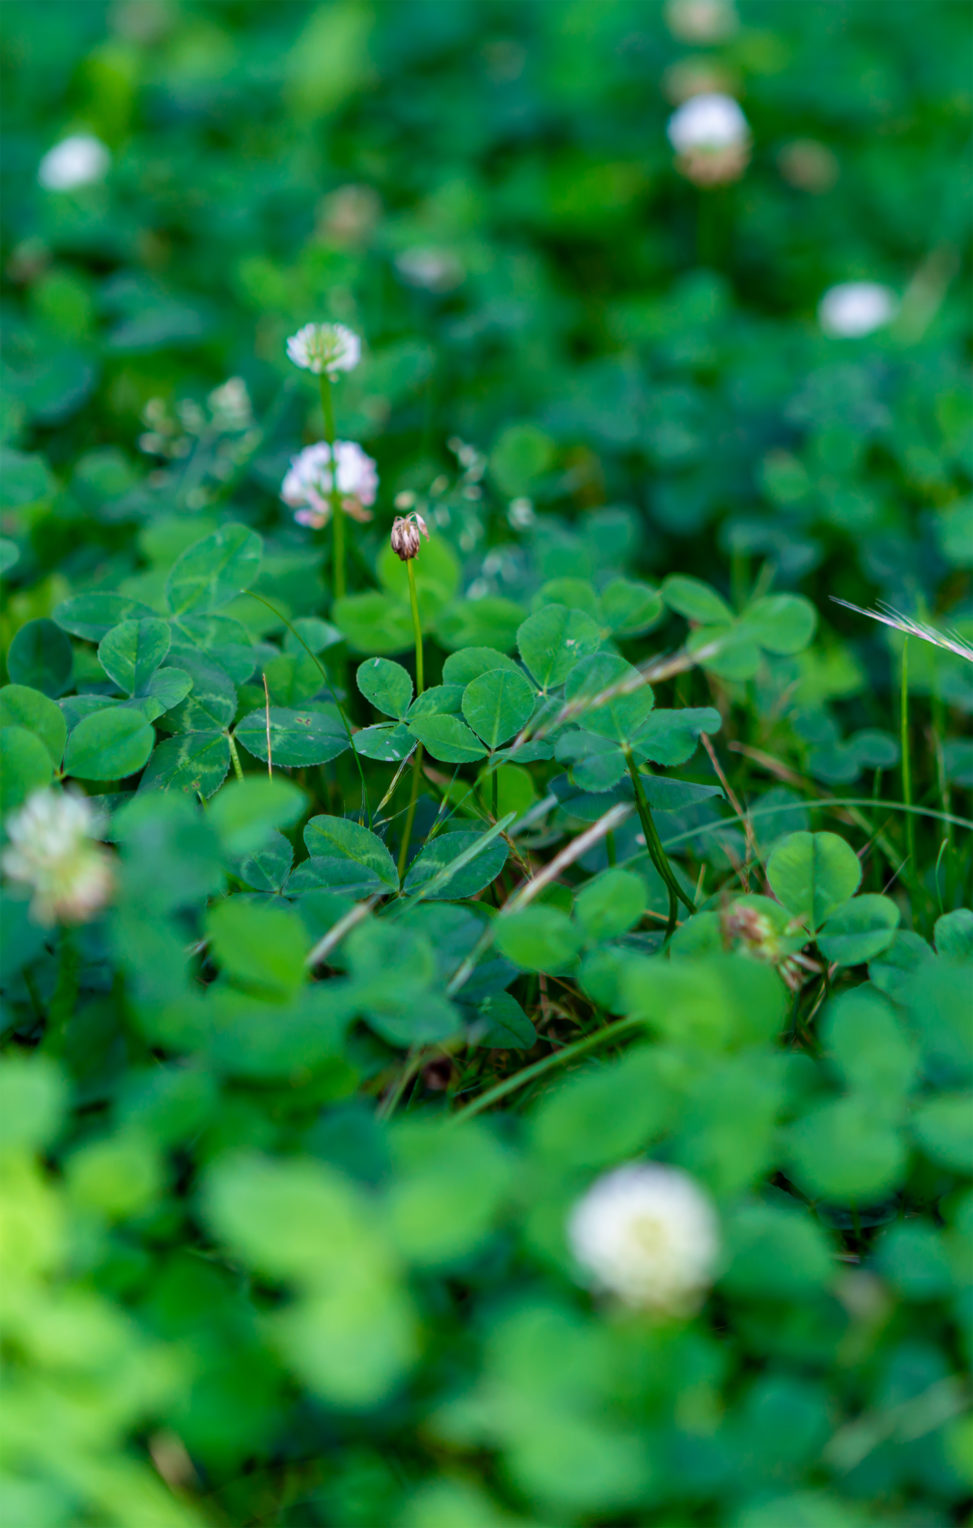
[617, 716]
[780, 623]
[437, 700]
[373, 622]
[953, 934]
[25, 766]
[611, 904]
[628, 608]
[497, 705]
[470, 662]
[671, 737]
[538, 939]
[695, 600]
[943, 1127]
[356, 857]
[21, 706]
[261, 945]
[215, 570]
[813, 874]
[860, 930]
[552, 640]
[448, 739]
[869, 1044]
[195, 762]
[40, 657]
[219, 640]
[9, 554]
[212, 702]
[92, 616]
[297, 738]
[389, 742]
[505, 1024]
[131, 653]
[247, 811]
[846, 1152]
[387, 685]
[33, 1101]
[596, 763]
[439, 872]
[166, 688]
[108, 745]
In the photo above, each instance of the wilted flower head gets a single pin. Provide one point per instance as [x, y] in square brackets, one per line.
[328, 348]
[407, 531]
[649, 1235]
[711, 138]
[308, 485]
[809, 165]
[51, 849]
[702, 21]
[75, 161]
[855, 308]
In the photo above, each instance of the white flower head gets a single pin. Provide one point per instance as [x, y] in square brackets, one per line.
[52, 850]
[712, 121]
[855, 308]
[75, 161]
[230, 405]
[648, 1234]
[436, 270]
[711, 137]
[308, 485]
[328, 348]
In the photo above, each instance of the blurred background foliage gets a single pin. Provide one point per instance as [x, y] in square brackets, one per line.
[236, 1296]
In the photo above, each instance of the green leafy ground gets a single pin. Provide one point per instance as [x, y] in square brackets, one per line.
[291, 1132]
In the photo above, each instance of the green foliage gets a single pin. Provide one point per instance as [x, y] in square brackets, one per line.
[371, 970]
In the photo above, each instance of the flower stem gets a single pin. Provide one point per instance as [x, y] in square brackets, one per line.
[910, 822]
[65, 996]
[337, 513]
[416, 625]
[656, 852]
[417, 761]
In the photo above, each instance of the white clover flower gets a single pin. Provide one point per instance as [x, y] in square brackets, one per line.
[711, 138]
[51, 849]
[711, 121]
[648, 1234]
[76, 161]
[855, 308]
[307, 486]
[328, 348]
[230, 405]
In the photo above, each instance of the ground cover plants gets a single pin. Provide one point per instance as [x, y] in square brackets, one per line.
[487, 939]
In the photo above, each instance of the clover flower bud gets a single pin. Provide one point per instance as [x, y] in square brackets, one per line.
[74, 162]
[649, 1235]
[711, 138]
[307, 486]
[407, 531]
[328, 348]
[856, 308]
[51, 849]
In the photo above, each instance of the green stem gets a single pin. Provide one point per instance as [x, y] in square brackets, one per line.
[65, 996]
[410, 815]
[656, 852]
[910, 824]
[234, 757]
[416, 625]
[511, 1084]
[337, 513]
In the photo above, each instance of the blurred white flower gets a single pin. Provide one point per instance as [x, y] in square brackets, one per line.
[702, 21]
[648, 1234]
[854, 308]
[435, 269]
[307, 486]
[711, 121]
[711, 138]
[230, 405]
[52, 850]
[328, 348]
[76, 161]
